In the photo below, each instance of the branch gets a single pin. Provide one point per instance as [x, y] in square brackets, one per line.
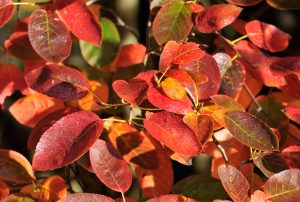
[221, 149]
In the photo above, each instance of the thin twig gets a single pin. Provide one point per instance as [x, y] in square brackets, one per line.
[221, 149]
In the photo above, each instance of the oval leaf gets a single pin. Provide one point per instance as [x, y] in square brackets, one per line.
[234, 182]
[80, 20]
[58, 81]
[110, 167]
[170, 130]
[169, 18]
[66, 139]
[292, 110]
[227, 102]
[250, 131]
[173, 88]
[99, 56]
[244, 2]
[284, 186]
[84, 197]
[14, 167]
[284, 4]
[217, 17]
[48, 34]
[266, 36]
[6, 11]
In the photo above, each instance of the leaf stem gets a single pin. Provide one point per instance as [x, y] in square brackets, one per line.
[163, 74]
[123, 197]
[239, 39]
[221, 149]
[117, 120]
[259, 107]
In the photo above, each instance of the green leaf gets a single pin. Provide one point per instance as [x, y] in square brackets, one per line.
[250, 131]
[108, 50]
[172, 22]
[201, 187]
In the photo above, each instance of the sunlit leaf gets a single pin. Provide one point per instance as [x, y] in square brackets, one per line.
[31, 109]
[284, 186]
[14, 167]
[250, 131]
[133, 91]
[65, 138]
[170, 17]
[58, 81]
[110, 167]
[84, 197]
[47, 34]
[217, 17]
[80, 20]
[99, 56]
[6, 11]
[266, 36]
[170, 130]
[173, 88]
[235, 184]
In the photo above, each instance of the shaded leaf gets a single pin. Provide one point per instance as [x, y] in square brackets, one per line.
[171, 131]
[47, 34]
[157, 97]
[201, 125]
[134, 146]
[266, 36]
[4, 190]
[292, 110]
[65, 138]
[171, 16]
[31, 109]
[80, 20]
[201, 187]
[18, 198]
[234, 182]
[6, 11]
[284, 4]
[233, 75]
[110, 167]
[227, 102]
[250, 131]
[217, 17]
[285, 66]
[99, 56]
[244, 2]
[255, 181]
[171, 198]
[83, 197]
[14, 167]
[284, 186]
[58, 81]
[133, 91]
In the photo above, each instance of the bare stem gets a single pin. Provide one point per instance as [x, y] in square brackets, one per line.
[221, 149]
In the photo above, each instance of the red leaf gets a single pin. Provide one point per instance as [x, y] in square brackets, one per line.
[11, 79]
[6, 11]
[148, 76]
[227, 102]
[285, 66]
[4, 190]
[290, 87]
[171, 131]
[80, 20]
[161, 101]
[234, 182]
[130, 54]
[31, 109]
[168, 54]
[217, 17]
[110, 167]
[47, 35]
[292, 110]
[133, 91]
[158, 181]
[58, 81]
[171, 198]
[84, 197]
[14, 167]
[66, 139]
[208, 66]
[291, 156]
[244, 2]
[267, 36]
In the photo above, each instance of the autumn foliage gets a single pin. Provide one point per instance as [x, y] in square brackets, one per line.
[129, 114]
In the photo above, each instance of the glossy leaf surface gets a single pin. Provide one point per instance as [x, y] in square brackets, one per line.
[170, 130]
[66, 139]
[47, 34]
[171, 16]
[6, 11]
[80, 20]
[58, 81]
[217, 17]
[110, 167]
[14, 167]
[250, 131]
[235, 184]
[173, 88]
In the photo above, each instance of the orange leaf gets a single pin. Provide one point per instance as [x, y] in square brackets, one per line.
[173, 89]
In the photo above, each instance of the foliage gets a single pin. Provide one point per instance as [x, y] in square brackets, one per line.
[121, 120]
